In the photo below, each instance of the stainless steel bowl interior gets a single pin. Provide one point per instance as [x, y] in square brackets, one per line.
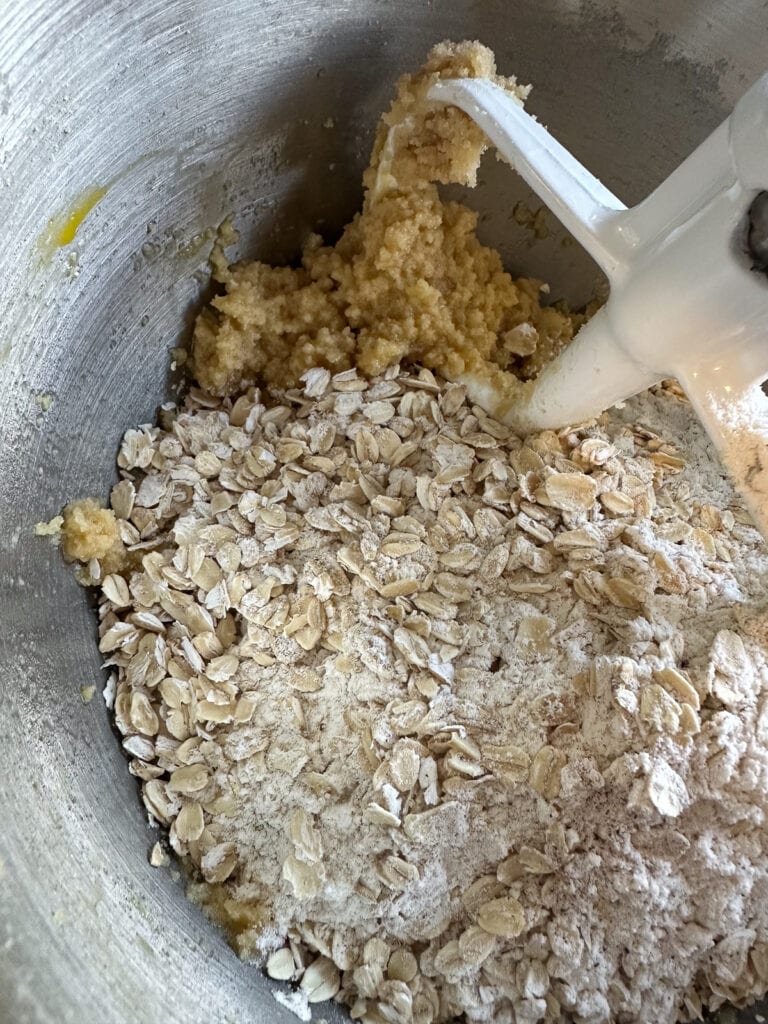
[185, 112]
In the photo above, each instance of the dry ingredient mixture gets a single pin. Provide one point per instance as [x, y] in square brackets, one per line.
[447, 721]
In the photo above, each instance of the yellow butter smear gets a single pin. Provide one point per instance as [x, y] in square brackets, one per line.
[407, 282]
[62, 228]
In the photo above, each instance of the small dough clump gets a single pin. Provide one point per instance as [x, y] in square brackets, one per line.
[90, 531]
[407, 282]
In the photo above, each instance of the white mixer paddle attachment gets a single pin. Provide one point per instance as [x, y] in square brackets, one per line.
[688, 274]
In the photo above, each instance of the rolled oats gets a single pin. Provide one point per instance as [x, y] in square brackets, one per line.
[189, 779]
[280, 965]
[385, 669]
[504, 917]
[545, 771]
[320, 981]
[190, 822]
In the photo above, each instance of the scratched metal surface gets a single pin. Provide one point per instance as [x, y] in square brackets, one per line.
[186, 111]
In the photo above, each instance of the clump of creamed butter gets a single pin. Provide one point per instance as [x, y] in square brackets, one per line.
[407, 282]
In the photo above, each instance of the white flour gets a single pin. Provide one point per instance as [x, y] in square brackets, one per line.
[742, 424]
[532, 787]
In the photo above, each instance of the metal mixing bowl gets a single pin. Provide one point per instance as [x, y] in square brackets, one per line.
[186, 111]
